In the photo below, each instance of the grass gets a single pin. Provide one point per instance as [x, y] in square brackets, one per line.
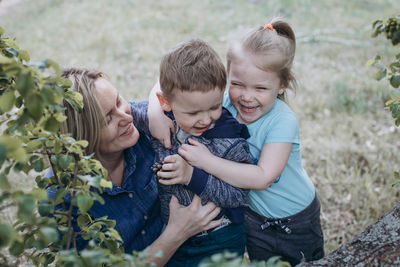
[348, 139]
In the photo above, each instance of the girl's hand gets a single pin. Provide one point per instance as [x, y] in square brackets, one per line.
[160, 128]
[196, 154]
[175, 170]
[194, 218]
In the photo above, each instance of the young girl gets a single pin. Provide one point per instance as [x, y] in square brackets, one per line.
[283, 218]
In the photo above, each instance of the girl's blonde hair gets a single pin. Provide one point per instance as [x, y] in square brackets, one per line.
[274, 50]
[85, 125]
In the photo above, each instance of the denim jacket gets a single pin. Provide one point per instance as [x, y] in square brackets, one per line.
[135, 205]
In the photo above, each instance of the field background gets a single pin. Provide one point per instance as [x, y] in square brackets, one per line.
[348, 139]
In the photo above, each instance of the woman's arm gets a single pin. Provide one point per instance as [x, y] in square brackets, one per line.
[273, 159]
[183, 223]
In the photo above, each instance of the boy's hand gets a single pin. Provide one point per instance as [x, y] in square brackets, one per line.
[175, 170]
[196, 154]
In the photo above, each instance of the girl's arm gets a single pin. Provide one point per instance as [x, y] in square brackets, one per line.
[160, 125]
[183, 223]
[272, 161]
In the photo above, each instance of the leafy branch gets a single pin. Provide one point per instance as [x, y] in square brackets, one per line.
[390, 28]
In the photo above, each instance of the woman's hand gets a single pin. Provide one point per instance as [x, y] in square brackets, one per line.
[196, 154]
[184, 222]
[175, 170]
[194, 218]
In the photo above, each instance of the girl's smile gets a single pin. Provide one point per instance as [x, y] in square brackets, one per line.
[252, 91]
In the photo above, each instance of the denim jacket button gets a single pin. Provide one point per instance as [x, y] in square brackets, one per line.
[143, 232]
[145, 217]
[130, 195]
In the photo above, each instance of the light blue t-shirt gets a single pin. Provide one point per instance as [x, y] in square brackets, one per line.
[293, 191]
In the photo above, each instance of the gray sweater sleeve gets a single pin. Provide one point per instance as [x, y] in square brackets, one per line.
[139, 115]
[209, 187]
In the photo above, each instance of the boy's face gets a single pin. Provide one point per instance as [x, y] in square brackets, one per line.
[195, 112]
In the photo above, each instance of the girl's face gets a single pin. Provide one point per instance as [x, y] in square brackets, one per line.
[119, 133]
[252, 91]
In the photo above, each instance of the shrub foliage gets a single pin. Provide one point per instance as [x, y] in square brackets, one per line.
[390, 28]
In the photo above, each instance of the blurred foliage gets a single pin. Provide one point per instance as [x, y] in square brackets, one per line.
[391, 28]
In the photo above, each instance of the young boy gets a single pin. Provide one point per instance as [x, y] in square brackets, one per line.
[192, 80]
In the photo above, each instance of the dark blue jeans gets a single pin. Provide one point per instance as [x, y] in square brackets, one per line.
[231, 238]
[293, 238]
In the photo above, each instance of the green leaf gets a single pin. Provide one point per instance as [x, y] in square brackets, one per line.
[34, 104]
[25, 83]
[55, 66]
[6, 235]
[39, 194]
[82, 143]
[84, 202]
[45, 209]
[49, 233]
[26, 204]
[105, 183]
[38, 165]
[84, 220]
[17, 248]
[1, 31]
[18, 154]
[7, 101]
[33, 145]
[5, 60]
[4, 184]
[23, 55]
[380, 74]
[395, 80]
[64, 161]
[52, 125]
[60, 117]
[75, 99]
[59, 195]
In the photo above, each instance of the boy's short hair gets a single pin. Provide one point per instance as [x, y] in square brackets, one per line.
[191, 66]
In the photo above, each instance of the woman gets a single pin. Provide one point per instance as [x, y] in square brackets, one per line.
[127, 155]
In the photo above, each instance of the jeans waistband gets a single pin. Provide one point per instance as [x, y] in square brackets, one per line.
[225, 222]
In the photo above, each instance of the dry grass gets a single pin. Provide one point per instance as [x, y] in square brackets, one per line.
[348, 139]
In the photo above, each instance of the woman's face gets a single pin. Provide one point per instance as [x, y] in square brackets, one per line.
[119, 133]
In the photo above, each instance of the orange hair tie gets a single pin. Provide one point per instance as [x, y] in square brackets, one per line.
[269, 26]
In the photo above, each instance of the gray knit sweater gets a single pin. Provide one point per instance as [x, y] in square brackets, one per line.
[223, 140]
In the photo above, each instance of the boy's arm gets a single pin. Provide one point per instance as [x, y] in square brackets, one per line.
[207, 186]
[273, 159]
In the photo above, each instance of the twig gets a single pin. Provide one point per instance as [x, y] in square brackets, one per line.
[70, 228]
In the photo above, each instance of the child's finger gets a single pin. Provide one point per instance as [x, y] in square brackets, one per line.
[193, 142]
[170, 159]
[167, 143]
[167, 174]
[182, 152]
[169, 181]
[169, 167]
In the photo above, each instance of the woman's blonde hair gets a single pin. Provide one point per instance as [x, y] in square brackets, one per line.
[85, 125]
[274, 46]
